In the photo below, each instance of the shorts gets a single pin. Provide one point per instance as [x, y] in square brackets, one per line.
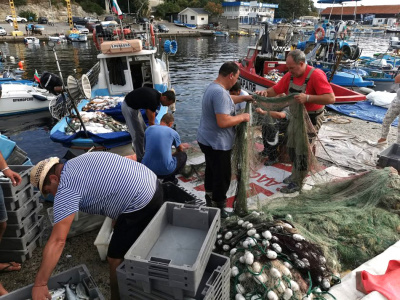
[129, 226]
[3, 212]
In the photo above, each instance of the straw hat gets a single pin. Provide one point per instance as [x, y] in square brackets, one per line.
[39, 172]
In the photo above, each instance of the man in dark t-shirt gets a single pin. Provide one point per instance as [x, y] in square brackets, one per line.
[148, 99]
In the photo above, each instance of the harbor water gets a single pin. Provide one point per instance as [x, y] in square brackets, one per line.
[194, 66]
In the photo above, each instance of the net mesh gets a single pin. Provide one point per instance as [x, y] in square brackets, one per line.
[342, 223]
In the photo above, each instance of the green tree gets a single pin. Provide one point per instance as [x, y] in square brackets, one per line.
[20, 2]
[215, 9]
[293, 9]
[29, 15]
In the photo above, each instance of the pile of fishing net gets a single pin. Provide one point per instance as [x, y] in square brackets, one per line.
[347, 221]
[271, 260]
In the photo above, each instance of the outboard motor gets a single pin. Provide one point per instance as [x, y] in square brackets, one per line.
[51, 82]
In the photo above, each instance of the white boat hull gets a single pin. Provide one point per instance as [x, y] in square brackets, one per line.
[20, 98]
[31, 40]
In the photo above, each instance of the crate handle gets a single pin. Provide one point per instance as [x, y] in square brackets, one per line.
[159, 261]
[88, 281]
[214, 277]
[189, 205]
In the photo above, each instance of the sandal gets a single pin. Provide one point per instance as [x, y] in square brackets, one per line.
[10, 267]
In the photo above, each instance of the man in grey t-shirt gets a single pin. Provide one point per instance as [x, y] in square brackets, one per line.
[216, 133]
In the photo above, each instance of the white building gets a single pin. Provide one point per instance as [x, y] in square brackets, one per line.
[194, 16]
[249, 12]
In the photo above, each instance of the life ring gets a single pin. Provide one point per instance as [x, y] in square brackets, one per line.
[319, 34]
[153, 38]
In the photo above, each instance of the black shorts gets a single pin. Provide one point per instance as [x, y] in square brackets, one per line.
[129, 226]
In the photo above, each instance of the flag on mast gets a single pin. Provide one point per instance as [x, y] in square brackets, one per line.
[116, 9]
[36, 76]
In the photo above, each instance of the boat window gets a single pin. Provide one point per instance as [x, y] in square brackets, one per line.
[141, 73]
[118, 79]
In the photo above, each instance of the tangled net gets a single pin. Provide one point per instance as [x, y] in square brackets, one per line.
[271, 260]
[344, 222]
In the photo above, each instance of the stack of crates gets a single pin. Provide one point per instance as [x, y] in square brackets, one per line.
[24, 231]
[173, 259]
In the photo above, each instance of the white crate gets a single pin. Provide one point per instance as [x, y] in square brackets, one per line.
[103, 238]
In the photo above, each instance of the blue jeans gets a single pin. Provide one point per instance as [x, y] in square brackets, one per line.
[3, 212]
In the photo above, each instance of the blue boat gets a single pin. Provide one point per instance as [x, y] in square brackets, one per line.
[191, 26]
[179, 23]
[321, 52]
[221, 33]
[140, 67]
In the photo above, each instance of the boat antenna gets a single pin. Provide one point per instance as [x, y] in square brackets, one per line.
[63, 88]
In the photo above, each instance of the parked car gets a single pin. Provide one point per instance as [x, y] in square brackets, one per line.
[92, 20]
[42, 20]
[162, 28]
[111, 18]
[19, 19]
[79, 21]
[3, 31]
[143, 20]
[82, 29]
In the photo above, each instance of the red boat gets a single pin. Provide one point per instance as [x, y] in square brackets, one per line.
[255, 66]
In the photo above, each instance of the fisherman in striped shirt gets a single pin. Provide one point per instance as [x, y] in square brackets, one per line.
[96, 183]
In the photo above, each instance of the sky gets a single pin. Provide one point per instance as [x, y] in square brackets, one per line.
[362, 2]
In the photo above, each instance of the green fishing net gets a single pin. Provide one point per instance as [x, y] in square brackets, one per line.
[346, 221]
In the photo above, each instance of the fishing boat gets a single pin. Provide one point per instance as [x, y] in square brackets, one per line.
[220, 33]
[31, 40]
[136, 65]
[58, 38]
[191, 26]
[179, 23]
[393, 29]
[18, 98]
[256, 67]
[77, 37]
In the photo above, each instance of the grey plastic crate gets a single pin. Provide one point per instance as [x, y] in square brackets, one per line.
[390, 157]
[21, 255]
[8, 189]
[17, 216]
[20, 198]
[18, 230]
[17, 156]
[175, 246]
[22, 243]
[74, 275]
[214, 285]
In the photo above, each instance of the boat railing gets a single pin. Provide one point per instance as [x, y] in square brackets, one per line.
[93, 74]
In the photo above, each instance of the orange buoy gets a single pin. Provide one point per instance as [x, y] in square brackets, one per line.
[153, 38]
[21, 64]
